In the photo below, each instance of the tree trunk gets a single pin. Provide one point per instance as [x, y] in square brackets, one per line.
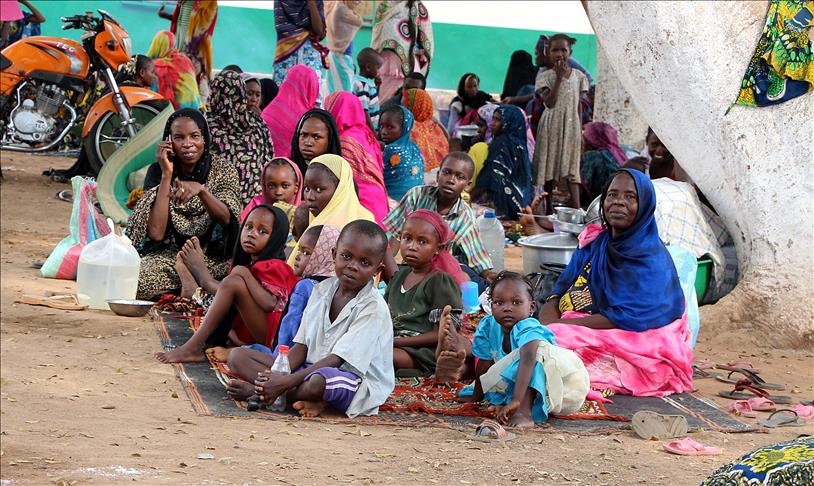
[682, 62]
[614, 105]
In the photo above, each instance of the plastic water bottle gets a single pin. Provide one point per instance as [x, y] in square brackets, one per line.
[493, 238]
[280, 367]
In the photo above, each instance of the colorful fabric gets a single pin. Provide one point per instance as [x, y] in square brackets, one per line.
[321, 263]
[507, 171]
[175, 74]
[344, 206]
[362, 151]
[486, 113]
[601, 136]
[195, 39]
[298, 93]
[466, 243]
[11, 11]
[597, 166]
[25, 27]
[652, 363]
[239, 134]
[427, 134]
[782, 67]
[783, 464]
[342, 22]
[361, 335]
[340, 387]
[403, 163]
[365, 89]
[443, 262]
[158, 275]
[647, 294]
[559, 132]
[290, 323]
[260, 198]
[341, 70]
[394, 22]
[488, 345]
[292, 21]
[306, 56]
[478, 153]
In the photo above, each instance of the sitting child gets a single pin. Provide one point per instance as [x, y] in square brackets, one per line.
[248, 303]
[343, 351]
[313, 264]
[431, 280]
[508, 339]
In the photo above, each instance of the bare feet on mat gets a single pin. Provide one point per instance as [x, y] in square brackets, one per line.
[310, 409]
[239, 390]
[188, 282]
[193, 257]
[184, 354]
[219, 353]
[449, 356]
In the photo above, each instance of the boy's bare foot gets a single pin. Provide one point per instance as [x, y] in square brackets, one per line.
[184, 354]
[239, 390]
[219, 353]
[193, 257]
[449, 356]
[188, 283]
[310, 409]
[520, 421]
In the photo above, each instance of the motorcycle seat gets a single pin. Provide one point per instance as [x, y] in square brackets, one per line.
[4, 62]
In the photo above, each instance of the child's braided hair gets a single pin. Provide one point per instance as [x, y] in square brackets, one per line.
[506, 275]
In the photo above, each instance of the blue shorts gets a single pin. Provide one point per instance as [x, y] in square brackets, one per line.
[340, 387]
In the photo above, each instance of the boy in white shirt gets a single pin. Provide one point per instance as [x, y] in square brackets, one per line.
[346, 333]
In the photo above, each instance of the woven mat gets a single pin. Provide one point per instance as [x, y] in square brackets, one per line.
[421, 402]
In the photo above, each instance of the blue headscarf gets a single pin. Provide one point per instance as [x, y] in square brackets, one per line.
[633, 280]
[403, 163]
[507, 170]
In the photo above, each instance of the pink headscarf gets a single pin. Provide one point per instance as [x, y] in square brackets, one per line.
[259, 199]
[298, 94]
[602, 136]
[321, 263]
[361, 149]
[443, 261]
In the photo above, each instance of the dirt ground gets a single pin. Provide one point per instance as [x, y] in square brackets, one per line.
[83, 400]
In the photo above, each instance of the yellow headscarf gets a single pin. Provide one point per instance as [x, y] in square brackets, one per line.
[344, 205]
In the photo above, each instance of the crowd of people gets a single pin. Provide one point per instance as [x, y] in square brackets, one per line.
[280, 204]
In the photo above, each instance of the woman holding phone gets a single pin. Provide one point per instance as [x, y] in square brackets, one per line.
[186, 221]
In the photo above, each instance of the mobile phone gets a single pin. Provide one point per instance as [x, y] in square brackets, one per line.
[171, 152]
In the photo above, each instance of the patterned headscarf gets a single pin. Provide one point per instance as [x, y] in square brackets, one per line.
[321, 263]
[239, 134]
[428, 135]
[487, 112]
[175, 74]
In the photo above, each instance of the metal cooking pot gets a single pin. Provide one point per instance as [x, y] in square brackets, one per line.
[570, 215]
[547, 249]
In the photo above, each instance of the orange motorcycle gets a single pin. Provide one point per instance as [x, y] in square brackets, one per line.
[43, 79]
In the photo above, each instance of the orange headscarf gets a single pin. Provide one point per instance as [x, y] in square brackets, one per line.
[428, 135]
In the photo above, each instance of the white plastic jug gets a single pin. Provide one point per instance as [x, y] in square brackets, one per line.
[108, 269]
[493, 238]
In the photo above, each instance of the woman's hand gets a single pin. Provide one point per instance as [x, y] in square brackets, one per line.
[184, 191]
[163, 153]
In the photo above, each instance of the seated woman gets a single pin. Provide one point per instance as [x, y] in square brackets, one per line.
[297, 94]
[187, 192]
[601, 156]
[619, 303]
[469, 98]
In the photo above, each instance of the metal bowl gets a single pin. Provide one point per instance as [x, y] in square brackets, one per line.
[547, 249]
[570, 215]
[130, 308]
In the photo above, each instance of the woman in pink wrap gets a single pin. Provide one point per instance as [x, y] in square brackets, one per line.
[297, 94]
[619, 303]
[361, 149]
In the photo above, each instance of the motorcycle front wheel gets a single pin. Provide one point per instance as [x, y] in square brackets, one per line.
[108, 135]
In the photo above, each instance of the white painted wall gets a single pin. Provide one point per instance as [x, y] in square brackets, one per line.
[682, 62]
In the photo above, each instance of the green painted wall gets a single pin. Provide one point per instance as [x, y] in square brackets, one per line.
[246, 37]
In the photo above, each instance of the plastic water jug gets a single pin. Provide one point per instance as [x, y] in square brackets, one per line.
[108, 269]
[493, 238]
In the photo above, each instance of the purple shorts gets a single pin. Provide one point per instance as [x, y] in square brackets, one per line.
[340, 387]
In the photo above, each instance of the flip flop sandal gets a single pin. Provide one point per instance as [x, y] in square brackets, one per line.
[789, 418]
[61, 302]
[742, 363]
[746, 385]
[690, 447]
[741, 407]
[491, 432]
[805, 412]
[65, 195]
[760, 404]
[752, 376]
[704, 364]
[699, 372]
[810, 403]
[651, 425]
